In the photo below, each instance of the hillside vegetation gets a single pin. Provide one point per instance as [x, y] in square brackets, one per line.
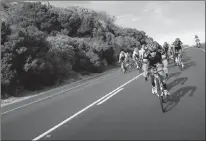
[42, 45]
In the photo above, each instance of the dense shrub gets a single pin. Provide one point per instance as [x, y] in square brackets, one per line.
[42, 45]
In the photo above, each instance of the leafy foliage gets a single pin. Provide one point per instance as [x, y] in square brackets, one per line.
[42, 44]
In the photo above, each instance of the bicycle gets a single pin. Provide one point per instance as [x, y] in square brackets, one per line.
[158, 83]
[126, 66]
[178, 60]
[139, 63]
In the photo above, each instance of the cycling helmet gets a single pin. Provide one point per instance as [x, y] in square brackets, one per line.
[152, 47]
[177, 39]
[156, 44]
[165, 43]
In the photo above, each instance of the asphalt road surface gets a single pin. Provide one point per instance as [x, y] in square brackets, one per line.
[117, 106]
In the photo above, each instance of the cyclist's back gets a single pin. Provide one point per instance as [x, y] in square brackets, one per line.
[177, 44]
[135, 54]
[122, 56]
[166, 46]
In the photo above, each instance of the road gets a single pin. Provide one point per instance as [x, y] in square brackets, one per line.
[128, 111]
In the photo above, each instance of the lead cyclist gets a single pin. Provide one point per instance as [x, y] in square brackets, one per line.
[154, 58]
[164, 57]
[178, 48]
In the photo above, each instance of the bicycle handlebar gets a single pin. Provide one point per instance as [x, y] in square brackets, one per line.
[154, 69]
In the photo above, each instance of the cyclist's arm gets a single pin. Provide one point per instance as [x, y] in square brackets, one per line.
[173, 49]
[120, 57]
[181, 47]
[133, 56]
[169, 49]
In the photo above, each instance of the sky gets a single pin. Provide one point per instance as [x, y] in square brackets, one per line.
[162, 20]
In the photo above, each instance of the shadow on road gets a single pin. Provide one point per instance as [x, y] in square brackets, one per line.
[175, 97]
[186, 59]
[176, 82]
[173, 75]
[188, 65]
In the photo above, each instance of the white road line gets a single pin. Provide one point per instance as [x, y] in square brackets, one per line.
[56, 93]
[42, 93]
[8, 111]
[29, 103]
[110, 96]
[73, 116]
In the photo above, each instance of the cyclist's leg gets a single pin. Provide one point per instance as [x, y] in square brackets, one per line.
[166, 53]
[176, 56]
[140, 63]
[145, 68]
[136, 62]
[180, 56]
[165, 64]
[152, 78]
[123, 66]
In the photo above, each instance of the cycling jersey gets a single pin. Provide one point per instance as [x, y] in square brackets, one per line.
[122, 57]
[135, 55]
[166, 47]
[141, 52]
[161, 50]
[178, 45]
[154, 60]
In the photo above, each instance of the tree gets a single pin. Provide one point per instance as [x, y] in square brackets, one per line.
[197, 40]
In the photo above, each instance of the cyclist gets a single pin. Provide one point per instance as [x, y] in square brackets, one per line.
[136, 57]
[166, 48]
[153, 57]
[128, 56]
[161, 50]
[122, 58]
[178, 49]
[197, 40]
[143, 50]
[171, 51]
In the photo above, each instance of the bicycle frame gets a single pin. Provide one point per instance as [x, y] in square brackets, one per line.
[157, 78]
[178, 57]
[126, 65]
[159, 85]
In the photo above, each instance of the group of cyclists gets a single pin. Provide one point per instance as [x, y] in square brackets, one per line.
[153, 55]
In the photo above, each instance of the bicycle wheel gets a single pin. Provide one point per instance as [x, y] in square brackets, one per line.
[159, 91]
[180, 63]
